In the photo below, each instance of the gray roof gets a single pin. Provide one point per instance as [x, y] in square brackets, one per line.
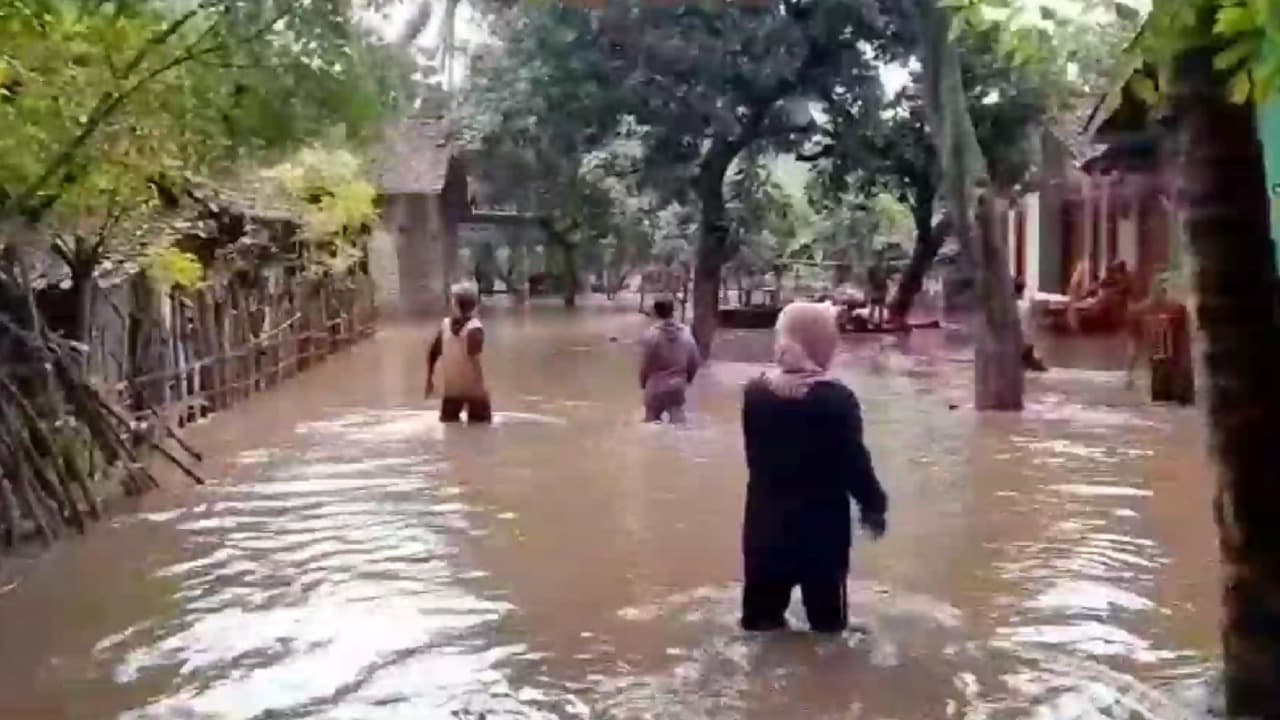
[414, 158]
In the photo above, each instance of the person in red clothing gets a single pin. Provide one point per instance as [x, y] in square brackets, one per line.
[1160, 328]
[806, 459]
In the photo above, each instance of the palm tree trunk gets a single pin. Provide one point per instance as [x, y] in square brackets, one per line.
[1222, 190]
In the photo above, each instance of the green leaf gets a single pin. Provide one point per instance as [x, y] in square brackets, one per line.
[1239, 88]
[1265, 82]
[1234, 20]
[1236, 54]
[1144, 88]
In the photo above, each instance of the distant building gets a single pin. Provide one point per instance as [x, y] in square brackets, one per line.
[422, 183]
[1106, 193]
[1102, 195]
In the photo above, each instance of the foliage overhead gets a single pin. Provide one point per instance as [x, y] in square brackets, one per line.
[327, 188]
[99, 101]
[687, 90]
[765, 222]
[1244, 34]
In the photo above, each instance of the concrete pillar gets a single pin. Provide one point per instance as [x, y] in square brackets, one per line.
[442, 240]
[384, 270]
[422, 290]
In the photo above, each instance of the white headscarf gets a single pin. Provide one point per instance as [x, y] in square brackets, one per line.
[805, 342]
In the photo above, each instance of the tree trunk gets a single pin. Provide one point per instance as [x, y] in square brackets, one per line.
[998, 379]
[448, 29]
[570, 274]
[928, 242]
[712, 244]
[706, 303]
[418, 22]
[568, 252]
[1222, 188]
[82, 287]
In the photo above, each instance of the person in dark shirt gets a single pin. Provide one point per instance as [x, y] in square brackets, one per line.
[668, 363]
[806, 458]
[877, 294]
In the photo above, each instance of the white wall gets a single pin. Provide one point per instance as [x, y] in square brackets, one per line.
[1031, 228]
[1031, 205]
[1127, 240]
[384, 269]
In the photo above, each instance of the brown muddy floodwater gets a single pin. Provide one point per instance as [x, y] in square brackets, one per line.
[354, 559]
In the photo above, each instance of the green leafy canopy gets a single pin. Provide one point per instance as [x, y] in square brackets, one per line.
[1245, 34]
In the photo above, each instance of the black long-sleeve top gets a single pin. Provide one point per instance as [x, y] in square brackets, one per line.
[806, 459]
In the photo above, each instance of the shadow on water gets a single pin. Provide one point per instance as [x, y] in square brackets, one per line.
[357, 559]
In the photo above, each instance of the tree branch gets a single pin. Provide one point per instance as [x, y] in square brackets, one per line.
[110, 101]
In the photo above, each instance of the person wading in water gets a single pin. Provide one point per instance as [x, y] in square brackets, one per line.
[806, 458]
[877, 294]
[1026, 319]
[456, 351]
[668, 363]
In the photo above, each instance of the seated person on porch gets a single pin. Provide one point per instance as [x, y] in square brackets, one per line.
[1105, 306]
[1117, 283]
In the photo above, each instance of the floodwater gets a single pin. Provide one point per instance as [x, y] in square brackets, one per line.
[354, 559]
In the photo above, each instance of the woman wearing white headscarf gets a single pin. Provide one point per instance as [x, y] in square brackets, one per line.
[806, 458]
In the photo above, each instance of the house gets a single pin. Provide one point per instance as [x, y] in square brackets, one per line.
[1269, 128]
[498, 224]
[1108, 194]
[422, 185]
[1102, 195]
[520, 237]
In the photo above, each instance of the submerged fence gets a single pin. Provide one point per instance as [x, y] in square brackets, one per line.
[182, 355]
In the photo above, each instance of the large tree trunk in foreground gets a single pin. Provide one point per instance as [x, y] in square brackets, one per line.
[1222, 189]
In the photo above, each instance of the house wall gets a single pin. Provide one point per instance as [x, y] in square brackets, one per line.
[1053, 227]
[1269, 133]
[384, 269]
[1035, 270]
[1127, 241]
[424, 269]
[1011, 237]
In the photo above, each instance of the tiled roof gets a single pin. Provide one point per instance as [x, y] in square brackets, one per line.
[415, 158]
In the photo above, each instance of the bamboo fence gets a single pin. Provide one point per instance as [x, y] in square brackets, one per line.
[227, 343]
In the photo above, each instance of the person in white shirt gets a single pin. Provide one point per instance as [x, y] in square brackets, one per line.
[1026, 319]
[455, 351]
